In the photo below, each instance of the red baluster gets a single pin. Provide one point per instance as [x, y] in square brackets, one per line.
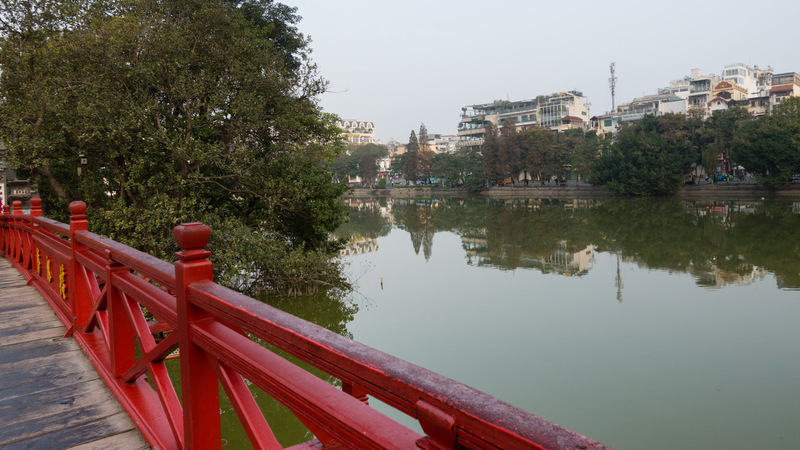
[198, 380]
[78, 293]
[4, 231]
[16, 235]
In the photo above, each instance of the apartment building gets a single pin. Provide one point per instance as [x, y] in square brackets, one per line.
[558, 112]
[358, 131]
[784, 85]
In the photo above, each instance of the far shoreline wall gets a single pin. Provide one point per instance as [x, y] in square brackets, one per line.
[721, 190]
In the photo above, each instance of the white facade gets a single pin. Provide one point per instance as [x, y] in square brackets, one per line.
[743, 75]
[544, 111]
[358, 131]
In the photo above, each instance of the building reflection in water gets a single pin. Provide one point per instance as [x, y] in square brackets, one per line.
[719, 242]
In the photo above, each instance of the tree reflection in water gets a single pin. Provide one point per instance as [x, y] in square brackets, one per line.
[718, 242]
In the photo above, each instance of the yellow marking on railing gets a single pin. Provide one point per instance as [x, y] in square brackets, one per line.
[62, 281]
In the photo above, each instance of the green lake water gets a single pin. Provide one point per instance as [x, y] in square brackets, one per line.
[643, 324]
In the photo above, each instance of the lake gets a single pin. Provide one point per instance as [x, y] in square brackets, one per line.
[642, 323]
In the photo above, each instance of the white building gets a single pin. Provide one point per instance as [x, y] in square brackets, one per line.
[557, 112]
[700, 87]
[358, 131]
[743, 75]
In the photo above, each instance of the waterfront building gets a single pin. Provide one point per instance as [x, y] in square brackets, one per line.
[743, 75]
[784, 85]
[727, 94]
[700, 87]
[657, 105]
[604, 124]
[358, 131]
[679, 88]
[442, 143]
[558, 112]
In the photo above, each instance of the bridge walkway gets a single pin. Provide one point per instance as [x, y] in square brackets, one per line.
[51, 396]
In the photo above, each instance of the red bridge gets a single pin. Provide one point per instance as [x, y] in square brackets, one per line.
[99, 290]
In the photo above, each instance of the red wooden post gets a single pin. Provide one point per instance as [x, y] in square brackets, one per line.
[29, 245]
[3, 230]
[78, 292]
[199, 384]
[122, 336]
[16, 235]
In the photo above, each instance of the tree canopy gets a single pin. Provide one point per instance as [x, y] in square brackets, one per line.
[198, 110]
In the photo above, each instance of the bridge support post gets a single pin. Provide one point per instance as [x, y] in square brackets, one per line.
[4, 231]
[199, 384]
[81, 299]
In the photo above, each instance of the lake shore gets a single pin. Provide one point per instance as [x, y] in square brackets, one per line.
[707, 191]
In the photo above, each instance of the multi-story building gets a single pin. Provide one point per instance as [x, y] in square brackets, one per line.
[557, 112]
[700, 87]
[358, 131]
[656, 105]
[784, 85]
[743, 75]
[678, 88]
[604, 124]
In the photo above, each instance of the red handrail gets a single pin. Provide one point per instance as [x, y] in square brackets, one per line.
[99, 289]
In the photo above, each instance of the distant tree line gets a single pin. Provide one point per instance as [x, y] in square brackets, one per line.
[657, 155]
[653, 157]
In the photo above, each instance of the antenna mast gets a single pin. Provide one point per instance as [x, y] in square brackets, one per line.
[613, 83]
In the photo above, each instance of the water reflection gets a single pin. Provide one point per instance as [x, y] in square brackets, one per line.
[718, 242]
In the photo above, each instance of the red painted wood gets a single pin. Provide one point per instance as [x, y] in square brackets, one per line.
[108, 287]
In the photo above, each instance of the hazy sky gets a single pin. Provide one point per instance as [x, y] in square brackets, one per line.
[402, 63]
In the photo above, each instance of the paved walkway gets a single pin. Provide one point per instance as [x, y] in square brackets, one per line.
[50, 395]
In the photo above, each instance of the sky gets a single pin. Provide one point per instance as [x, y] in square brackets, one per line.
[399, 64]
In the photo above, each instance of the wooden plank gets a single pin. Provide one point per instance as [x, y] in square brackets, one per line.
[130, 440]
[29, 327]
[65, 430]
[50, 394]
[55, 331]
[54, 401]
[35, 349]
[49, 376]
[16, 318]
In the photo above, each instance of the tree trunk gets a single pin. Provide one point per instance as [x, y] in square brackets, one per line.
[44, 171]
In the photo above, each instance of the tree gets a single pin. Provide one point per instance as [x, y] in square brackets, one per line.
[770, 149]
[534, 143]
[359, 160]
[587, 148]
[649, 158]
[412, 156]
[491, 153]
[184, 111]
[425, 154]
[509, 160]
[720, 129]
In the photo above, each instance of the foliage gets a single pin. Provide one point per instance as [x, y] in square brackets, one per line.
[509, 161]
[769, 148]
[184, 111]
[359, 160]
[534, 144]
[411, 167]
[425, 153]
[649, 158]
[491, 153]
[462, 167]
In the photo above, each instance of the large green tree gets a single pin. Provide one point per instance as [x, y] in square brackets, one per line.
[411, 164]
[194, 110]
[648, 158]
[770, 146]
[491, 153]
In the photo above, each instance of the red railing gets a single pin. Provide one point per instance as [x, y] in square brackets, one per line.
[100, 290]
